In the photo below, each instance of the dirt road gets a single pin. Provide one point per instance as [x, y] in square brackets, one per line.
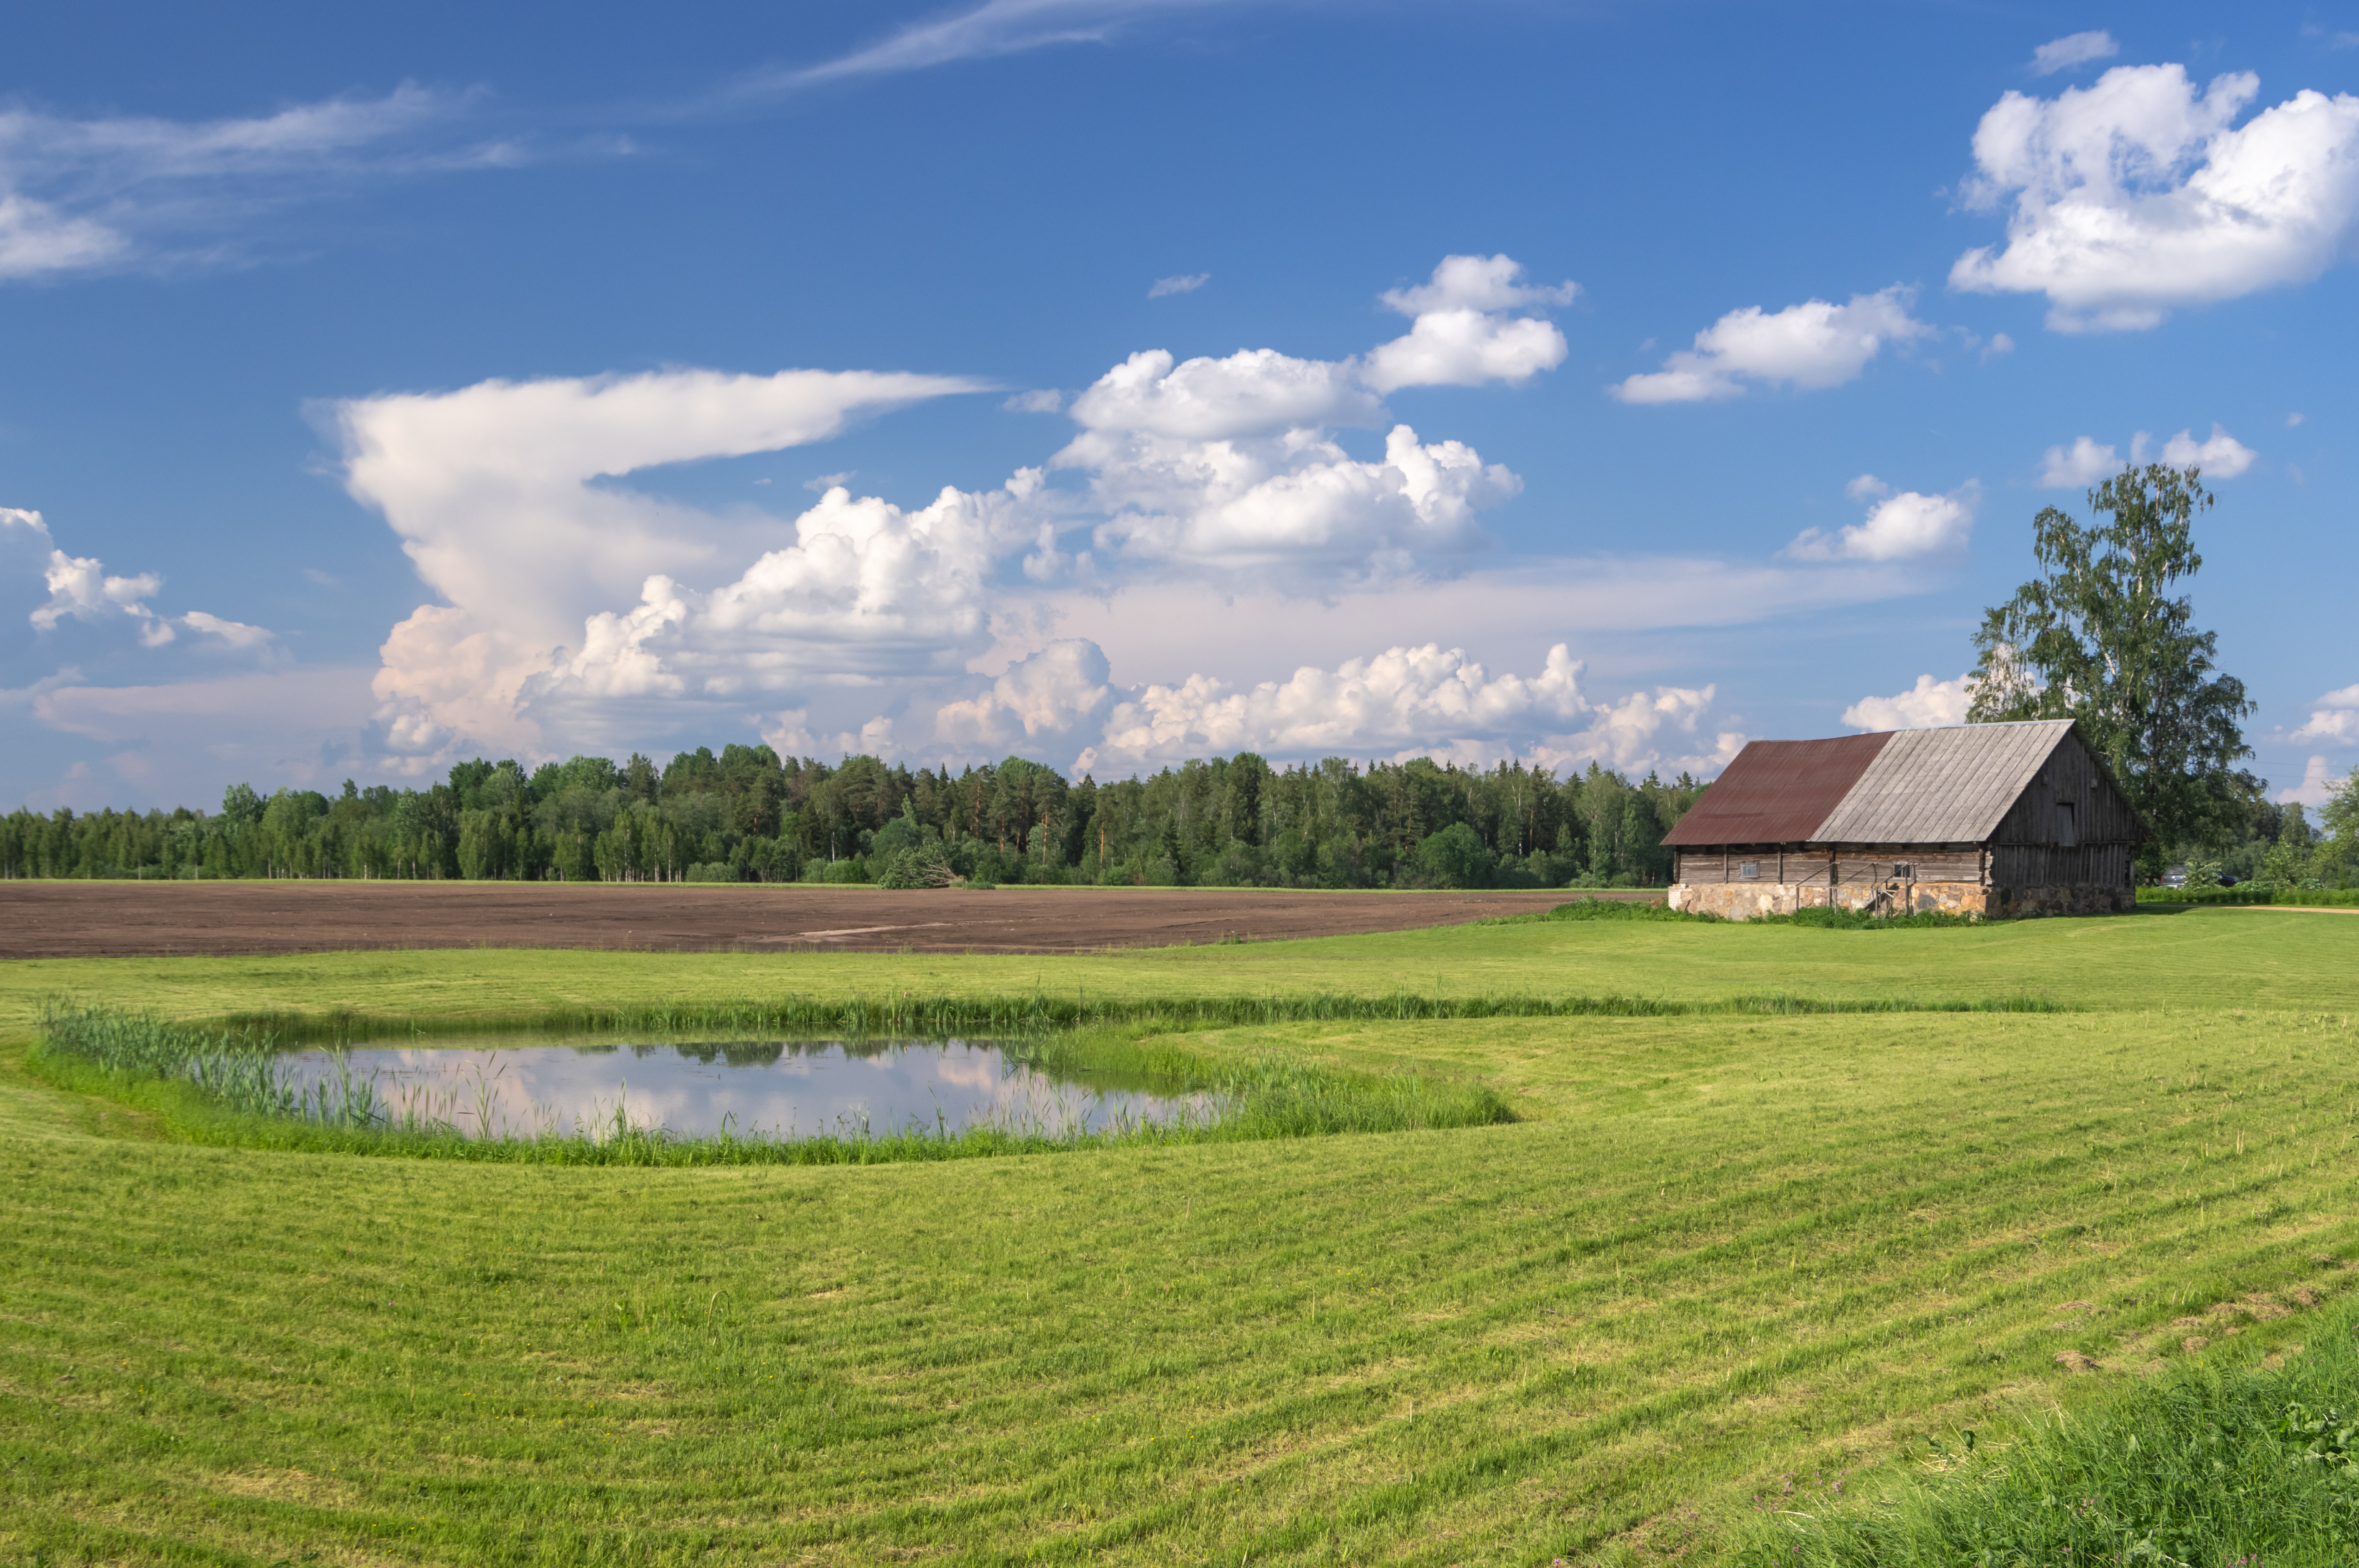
[93, 919]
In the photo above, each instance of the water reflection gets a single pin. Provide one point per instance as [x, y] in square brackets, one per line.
[775, 1089]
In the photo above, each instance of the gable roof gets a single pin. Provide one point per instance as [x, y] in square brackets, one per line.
[1777, 792]
[1943, 787]
[1903, 786]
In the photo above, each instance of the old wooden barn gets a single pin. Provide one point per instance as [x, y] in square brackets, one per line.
[2002, 819]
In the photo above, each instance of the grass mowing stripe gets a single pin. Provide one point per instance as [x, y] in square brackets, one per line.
[1725, 1246]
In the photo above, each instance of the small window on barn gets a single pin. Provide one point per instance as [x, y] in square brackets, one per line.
[2066, 834]
[1903, 872]
[1749, 869]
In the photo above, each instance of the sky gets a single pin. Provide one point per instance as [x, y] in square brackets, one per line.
[1116, 382]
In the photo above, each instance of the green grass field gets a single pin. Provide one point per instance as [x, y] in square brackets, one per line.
[1717, 1251]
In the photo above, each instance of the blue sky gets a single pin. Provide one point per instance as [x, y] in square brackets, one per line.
[1117, 382]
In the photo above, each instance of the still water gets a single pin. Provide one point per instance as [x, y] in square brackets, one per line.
[792, 1088]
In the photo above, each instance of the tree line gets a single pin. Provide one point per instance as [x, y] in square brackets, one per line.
[748, 814]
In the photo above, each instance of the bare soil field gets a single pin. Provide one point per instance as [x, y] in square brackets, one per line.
[65, 920]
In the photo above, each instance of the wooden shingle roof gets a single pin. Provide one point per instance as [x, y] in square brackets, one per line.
[1903, 786]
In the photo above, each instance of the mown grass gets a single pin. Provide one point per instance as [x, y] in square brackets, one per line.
[2241, 1460]
[1718, 1247]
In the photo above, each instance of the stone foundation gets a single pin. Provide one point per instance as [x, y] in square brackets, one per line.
[1742, 901]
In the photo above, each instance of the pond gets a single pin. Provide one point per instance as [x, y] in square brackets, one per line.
[778, 1088]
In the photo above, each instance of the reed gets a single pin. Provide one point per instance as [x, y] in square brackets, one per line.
[244, 1091]
[913, 1014]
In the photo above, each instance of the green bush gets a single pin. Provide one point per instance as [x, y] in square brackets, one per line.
[2248, 893]
[1620, 909]
[712, 871]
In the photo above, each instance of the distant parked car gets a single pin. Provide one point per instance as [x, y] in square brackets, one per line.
[2174, 876]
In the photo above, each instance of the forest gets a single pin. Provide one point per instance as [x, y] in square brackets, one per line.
[749, 815]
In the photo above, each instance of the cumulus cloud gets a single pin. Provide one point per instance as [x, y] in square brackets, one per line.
[81, 589]
[503, 497]
[2083, 464]
[1927, 704]
[2334, 718]
[1051, 695]
[2221, 456]
[1186, 283]
[1299, 502]
[1252, 392]
[576, 596]
[1810, 346]
[1461, 335]
[2318, 786]
[1229, 464]
[2139, 193]
[1900, 526]
[2076, 49]
[1405, 701]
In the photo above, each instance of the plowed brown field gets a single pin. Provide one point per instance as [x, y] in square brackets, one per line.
[56, 920]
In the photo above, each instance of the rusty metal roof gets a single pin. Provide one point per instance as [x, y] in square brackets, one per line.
[1943, 787]
[1777, 792]
[1949, 785]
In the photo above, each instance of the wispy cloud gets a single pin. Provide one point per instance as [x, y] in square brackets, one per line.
[2077, 48]
[996, 28]
[1186, 283]
[79, 195]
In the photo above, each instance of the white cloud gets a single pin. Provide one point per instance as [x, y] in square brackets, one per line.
[1900, 526]
[495, 492]
[2083, 464]
[2139, 193]
[2086, 463]
[1461, 335]
[1252, 392]
[2221, 456]
[81, 589]
[2317, 788]
[2334, 718]
[1230, 464]
[575, 601]
[2076, 49]
[1186, 283]
[232, 634]
[1040, 400]
[1811, 346]
[997, 28]
[1403, 697]
[77, 195]
[1057, 690]
[1421, 701]
[1298, 501]
[1927, 704]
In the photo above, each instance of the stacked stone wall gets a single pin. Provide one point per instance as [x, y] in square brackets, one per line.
[1745, 901]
